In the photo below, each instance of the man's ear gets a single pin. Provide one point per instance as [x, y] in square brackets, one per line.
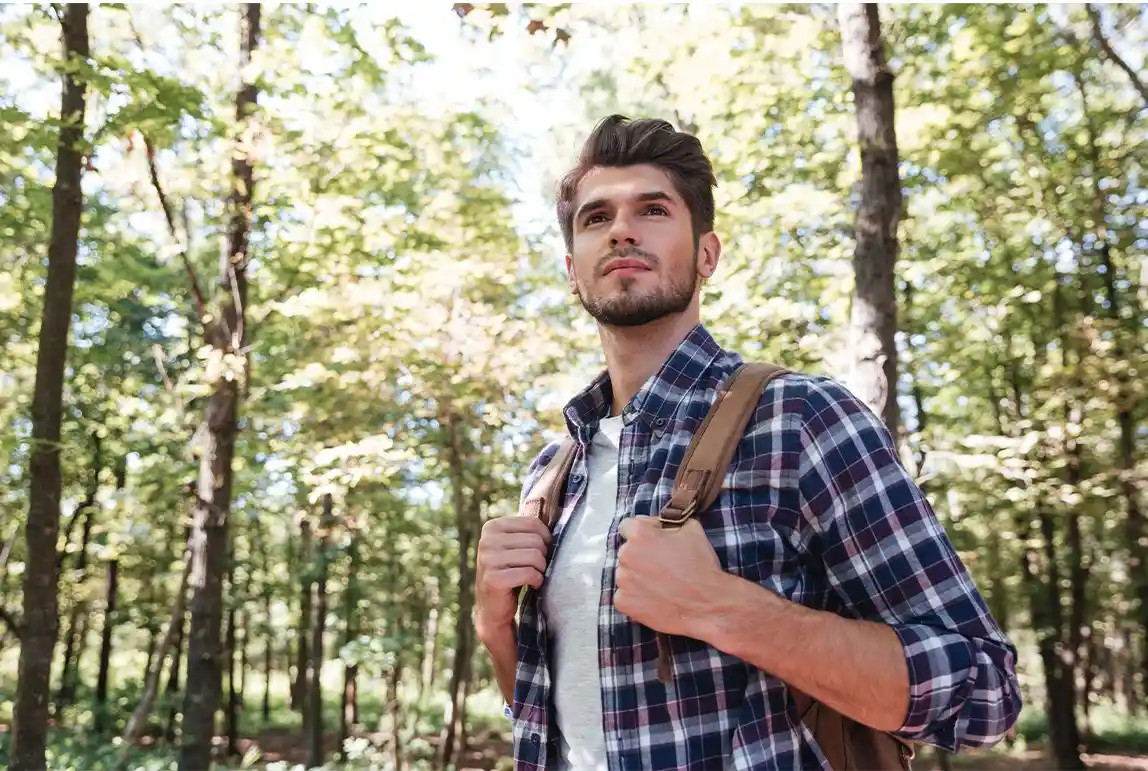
[570, 279]
[709, 252]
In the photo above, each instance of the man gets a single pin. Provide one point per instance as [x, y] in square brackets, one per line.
[820, 566]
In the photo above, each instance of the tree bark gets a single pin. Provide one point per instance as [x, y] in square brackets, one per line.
[349, 712]
[315, 749]
[101, 710]
[231, 643]
[430, 647]
[1124, 399]
[873, 318]
[77, 623]
[395, 707]
[172, 687]
[226, 337]
[77, 619]
[232, 712]
[41, 601]
[299, 688]
[268, 639]
[460, 670]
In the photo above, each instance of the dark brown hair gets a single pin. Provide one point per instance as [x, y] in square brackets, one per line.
[618, 141]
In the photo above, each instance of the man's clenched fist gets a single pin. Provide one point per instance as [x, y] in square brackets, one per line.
[511, 554]
[667, 579]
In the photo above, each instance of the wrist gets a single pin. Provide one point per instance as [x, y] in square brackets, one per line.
[495, 634]
[737, 606]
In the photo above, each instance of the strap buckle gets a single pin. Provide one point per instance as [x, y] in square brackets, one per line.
[671, 517]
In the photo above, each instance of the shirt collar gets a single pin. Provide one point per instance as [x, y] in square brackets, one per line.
[658, 397]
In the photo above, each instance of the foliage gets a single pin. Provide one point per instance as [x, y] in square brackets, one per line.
[412, 342]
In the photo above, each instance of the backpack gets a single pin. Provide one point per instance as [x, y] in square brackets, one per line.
[846, 744]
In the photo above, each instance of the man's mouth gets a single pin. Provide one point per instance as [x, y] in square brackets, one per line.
[625, 265]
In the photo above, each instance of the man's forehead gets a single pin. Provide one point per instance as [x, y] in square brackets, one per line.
[624, 182]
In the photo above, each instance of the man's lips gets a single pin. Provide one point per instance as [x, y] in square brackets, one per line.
[624, 264]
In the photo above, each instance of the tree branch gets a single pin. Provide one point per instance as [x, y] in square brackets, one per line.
[13, 624]
[1106, 47]
[200, 305]
[153, 172]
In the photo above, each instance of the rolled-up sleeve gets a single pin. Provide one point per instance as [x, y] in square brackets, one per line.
[888, 559]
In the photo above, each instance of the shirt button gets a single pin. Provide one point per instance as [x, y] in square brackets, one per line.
[660, 421]
[535, 739]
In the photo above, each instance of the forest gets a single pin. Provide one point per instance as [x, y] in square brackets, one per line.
[284, 318]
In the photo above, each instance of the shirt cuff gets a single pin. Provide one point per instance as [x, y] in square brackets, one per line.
[940, 665]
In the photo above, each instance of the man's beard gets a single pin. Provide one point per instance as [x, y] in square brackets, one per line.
[633, 310]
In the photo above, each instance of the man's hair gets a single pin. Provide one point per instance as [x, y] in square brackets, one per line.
[618, 141]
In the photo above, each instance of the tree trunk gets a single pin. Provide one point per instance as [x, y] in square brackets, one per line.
[460, 671]
[1136, 534]
[173, 677]
[873, 321]
[73, 651]
[1130, 664]
[430, 648]
[268, 632]
[77, 619]
[231, 711]
[226, 337]
[349, 713]
[268, 666]
[41, 603]
[106, 648]
[1078, 569]
[315, 750]
[1058, 669]
[151, 688]
[152, 641]
[243, 624]
[299, 688]
[77, 624]
[232, 716]
[395, 706]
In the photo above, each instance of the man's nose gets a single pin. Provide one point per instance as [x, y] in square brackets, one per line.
[623, 232]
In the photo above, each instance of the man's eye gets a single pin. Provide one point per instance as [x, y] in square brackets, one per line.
[595, 218]
[657, 210]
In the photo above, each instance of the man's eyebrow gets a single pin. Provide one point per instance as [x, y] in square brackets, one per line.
[597, 203]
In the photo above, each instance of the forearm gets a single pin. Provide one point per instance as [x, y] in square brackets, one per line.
[502, 645]
[857, 668]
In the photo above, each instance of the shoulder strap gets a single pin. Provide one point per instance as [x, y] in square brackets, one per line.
[544, 499]
[710, 452]
[700, 475]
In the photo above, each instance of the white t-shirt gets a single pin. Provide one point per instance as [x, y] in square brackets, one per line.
[571, 601]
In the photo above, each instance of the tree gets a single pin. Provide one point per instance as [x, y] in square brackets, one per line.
[874, 313]
[226, 339]
[41, 603]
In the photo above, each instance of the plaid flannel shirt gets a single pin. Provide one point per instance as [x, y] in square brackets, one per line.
[816, 507]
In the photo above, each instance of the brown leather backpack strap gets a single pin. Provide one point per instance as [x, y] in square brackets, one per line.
[699, 478]
[700, 475]
[544, 499]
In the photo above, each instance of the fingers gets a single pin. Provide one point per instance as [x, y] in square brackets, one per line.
[511, 578]
[520, 525]
[505, 559]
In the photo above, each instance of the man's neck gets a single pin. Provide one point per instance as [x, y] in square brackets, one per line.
[633, 354]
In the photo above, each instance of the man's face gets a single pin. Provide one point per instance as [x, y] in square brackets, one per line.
[634, 257]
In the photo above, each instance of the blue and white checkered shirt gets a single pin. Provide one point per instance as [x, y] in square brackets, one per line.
[816, 507]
